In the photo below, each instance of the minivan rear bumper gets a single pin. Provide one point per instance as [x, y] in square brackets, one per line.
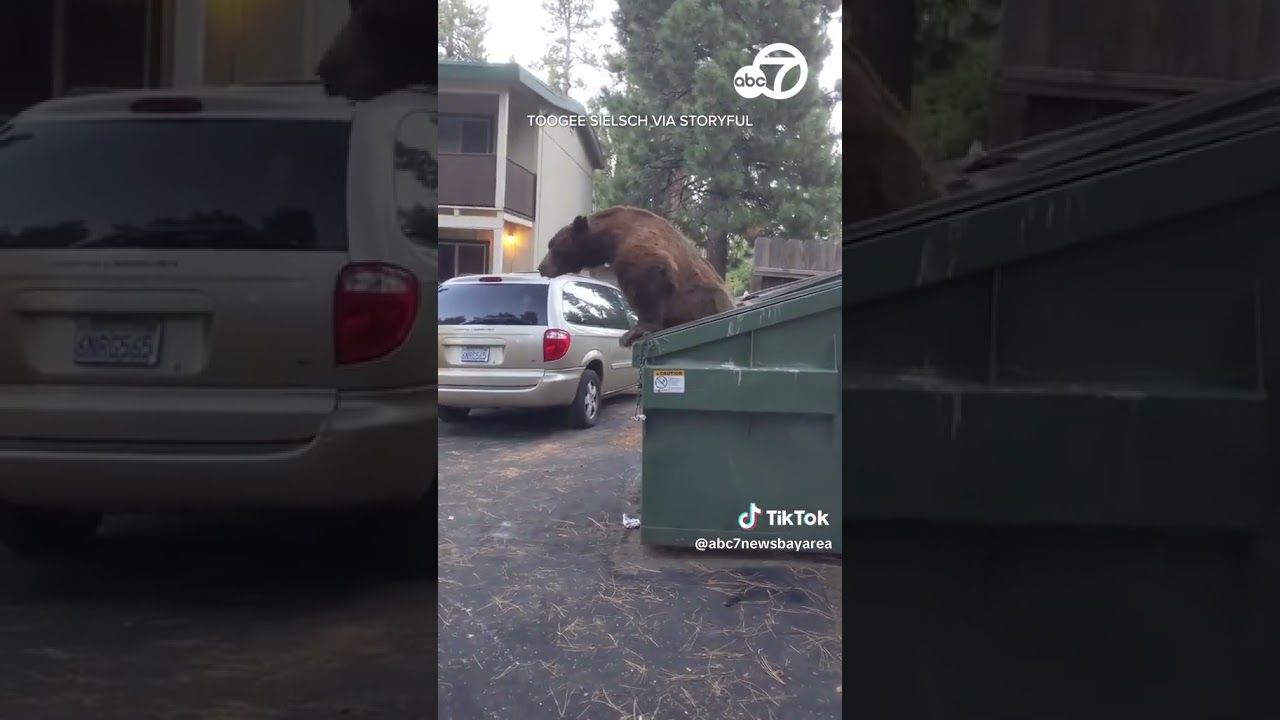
[554, 388]
[378, 448]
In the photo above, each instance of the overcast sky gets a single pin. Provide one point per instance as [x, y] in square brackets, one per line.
[515, 30]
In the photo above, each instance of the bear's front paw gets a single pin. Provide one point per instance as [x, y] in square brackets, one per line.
[631, 336]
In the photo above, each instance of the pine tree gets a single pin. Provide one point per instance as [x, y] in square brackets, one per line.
[723, 185]
[462, 27]
[955, 53]
[574, 27]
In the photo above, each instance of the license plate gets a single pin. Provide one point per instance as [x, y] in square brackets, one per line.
[475, 355]
[117, 344]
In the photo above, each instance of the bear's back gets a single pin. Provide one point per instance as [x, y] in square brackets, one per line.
[637, 225]
[699, 291]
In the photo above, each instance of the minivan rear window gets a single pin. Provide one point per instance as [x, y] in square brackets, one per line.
[243, 184]
[499, 303]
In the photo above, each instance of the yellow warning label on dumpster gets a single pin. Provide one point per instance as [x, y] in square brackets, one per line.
[668, 381]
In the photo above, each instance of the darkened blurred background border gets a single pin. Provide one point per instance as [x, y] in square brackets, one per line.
[48, 47]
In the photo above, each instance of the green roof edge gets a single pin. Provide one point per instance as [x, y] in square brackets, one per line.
[458, 71]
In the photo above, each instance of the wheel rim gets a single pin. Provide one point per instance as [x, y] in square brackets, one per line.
[591, 401]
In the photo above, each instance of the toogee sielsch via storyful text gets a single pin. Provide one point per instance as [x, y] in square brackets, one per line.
[639, 121]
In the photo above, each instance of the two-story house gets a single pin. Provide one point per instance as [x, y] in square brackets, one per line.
[507, 183]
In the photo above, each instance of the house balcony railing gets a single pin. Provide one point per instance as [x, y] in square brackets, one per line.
[522, 190]
[470, 180]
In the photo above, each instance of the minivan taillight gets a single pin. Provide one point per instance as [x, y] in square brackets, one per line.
[375, 306]
[555, 345]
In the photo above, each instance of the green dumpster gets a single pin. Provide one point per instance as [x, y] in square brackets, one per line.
[741, 418]
[1063, 434]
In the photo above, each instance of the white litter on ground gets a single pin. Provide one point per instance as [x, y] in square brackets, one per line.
[630, 522]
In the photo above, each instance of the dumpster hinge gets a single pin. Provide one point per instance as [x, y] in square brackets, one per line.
[639, 405]
[644, 362]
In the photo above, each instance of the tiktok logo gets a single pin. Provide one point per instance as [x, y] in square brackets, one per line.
[747, 520]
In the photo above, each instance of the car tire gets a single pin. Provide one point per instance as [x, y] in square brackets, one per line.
[453, 414]
[35, 532]
[585, 410]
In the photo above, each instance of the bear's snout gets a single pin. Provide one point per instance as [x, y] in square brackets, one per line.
[546, 269]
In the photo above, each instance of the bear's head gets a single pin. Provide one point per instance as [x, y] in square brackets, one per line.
[380, 49]
[573, 248]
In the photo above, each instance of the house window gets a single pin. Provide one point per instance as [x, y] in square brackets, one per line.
[111, 44]
[459, 257]
[466, 134]
[72, 44]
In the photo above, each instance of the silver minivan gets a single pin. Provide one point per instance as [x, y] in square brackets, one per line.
[217, 299]
[520, 340]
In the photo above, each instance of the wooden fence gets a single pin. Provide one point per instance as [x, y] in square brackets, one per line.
[777, 261]
[1064, 62]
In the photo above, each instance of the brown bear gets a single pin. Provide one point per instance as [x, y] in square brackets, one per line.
[664, 278]
[381, 48]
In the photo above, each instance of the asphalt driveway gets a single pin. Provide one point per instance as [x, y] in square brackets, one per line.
[180, 619]
[550, 608]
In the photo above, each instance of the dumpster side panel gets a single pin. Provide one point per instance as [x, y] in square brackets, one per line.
[963, 622]
[744, 409]
[1173, 304]
[1122, 382]
[940, 330]
[1067, 506]
[703, 469]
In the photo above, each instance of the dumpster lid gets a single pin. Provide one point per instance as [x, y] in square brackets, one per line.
[1019, 159]
[1076, 154]
[778, 305]
[780, 293]
[791, 287]
[1090, 196]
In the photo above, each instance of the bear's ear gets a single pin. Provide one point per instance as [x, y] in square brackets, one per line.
[580, 224]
